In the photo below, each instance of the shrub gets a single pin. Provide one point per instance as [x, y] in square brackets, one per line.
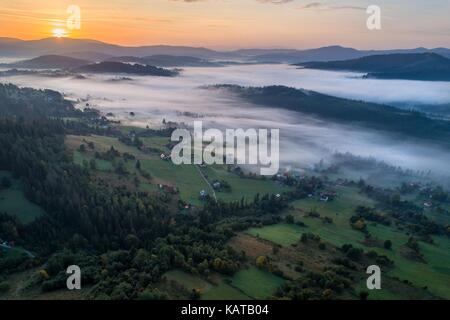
[4, 287]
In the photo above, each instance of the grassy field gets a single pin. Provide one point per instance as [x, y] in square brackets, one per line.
[224, 291]
[13, 202]
[282, 234]
[188, 281]
[186, 178]
[209, 291]
[383, 294]
[102, 165]
[435, 273]
[340, 210]
[246, 284]
[156, 142]
[256, 283]
[241, 187]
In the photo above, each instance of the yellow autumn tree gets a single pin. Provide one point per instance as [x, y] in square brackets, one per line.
[261, 262]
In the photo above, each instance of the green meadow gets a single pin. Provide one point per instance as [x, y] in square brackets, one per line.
[187, 178]
[246, 284]
[103, 165]
[434, 273]
[13, 201]
[282, 234]
[258, 284]
[224, 291]
[241, 187]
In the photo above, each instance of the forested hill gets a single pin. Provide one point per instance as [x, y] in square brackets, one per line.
[49, 62]
[119, 67]
[31, 103]
[167, 61]
[371, 115]
[422, 66]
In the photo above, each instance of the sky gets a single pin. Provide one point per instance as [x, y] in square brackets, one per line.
[230, 24]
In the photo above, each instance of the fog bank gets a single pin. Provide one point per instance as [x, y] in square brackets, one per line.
[304, 140]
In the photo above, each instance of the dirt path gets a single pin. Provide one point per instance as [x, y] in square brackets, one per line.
[207, 182]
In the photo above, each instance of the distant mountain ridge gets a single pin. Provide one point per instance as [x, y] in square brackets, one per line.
[119, 67]
[90, 49]
[369, 115]
[49, 62]
[62, 46]
[418, 66]
[167, 61]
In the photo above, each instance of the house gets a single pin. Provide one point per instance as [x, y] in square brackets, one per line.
[427, 204]
[281, 178]
[327, 196]
[217, 185]
[165, 157]
[203, 194]
[169, 189]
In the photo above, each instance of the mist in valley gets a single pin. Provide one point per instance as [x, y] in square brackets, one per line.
[303, 140]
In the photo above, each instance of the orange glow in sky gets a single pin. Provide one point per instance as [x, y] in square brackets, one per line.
[231, 23]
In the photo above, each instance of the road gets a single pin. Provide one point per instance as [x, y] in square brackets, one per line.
[213, 192]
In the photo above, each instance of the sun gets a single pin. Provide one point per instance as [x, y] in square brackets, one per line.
[59, 33]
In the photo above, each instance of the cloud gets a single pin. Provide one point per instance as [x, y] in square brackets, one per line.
[260, 1]
[312, 5]
[275, 1]
[323, 6]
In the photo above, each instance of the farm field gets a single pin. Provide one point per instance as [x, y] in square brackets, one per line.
[103, 165]
[186, 178]
[224, 291]
[242, 187]
[246, 284]
[282, 234]
[256, 283]
[433, 273]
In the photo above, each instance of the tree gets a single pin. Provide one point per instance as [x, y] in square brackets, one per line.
[363, 295]
[290, 219]
[132, 241]
[148, 294]
[261, 262]
[388, 244]
[195, 294]
[92, 164]
[354, 253]
[304, 238]
[6, 182]
[4, 287]
[359, 225]
[43, 274]
[327, 294]
[322, 245]
[275, 249]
